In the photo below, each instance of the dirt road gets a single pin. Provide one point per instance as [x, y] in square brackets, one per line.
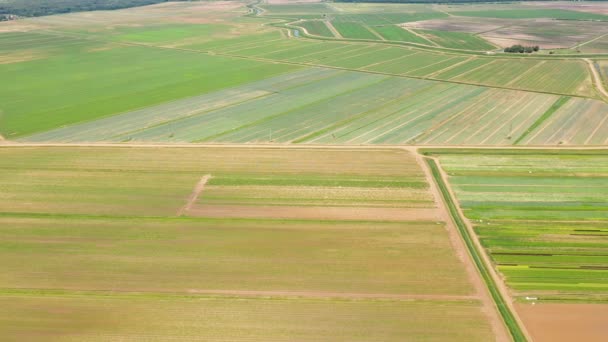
[597, 79]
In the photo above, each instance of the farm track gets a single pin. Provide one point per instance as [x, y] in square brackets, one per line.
[200, 186]
[499, 284]
[410, 148]
[597, 79]
[254, 293]
[266, 60]
[498, 326]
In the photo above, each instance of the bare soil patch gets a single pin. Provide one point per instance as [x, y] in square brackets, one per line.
[318, 294]
[565, 322]
[316, 213]
[599, 8]
[200, 186]
[23, 56]
[459, 24]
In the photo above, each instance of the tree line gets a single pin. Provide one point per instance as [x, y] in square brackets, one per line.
[521, 49]
[11, 9]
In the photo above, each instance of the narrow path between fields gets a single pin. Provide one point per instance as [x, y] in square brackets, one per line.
[489, 307]
[346, 295]
[500, 284]
[597, 79]
[411, 148]
[333, 30]
[200, 186]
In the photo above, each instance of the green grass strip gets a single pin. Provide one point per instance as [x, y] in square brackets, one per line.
[557, 105]
[504, 310]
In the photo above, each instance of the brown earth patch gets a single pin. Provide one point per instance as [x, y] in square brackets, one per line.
[200, 186]
[348, 295]
[316, 213]
[557, 322]
[19, 57]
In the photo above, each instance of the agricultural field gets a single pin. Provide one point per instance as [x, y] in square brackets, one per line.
[352, 109]
[316, 27]
[176, 56]
[396, 33]
[354, 30]
[457, 40]
[541, 216]
[310, 171]
[176, 233]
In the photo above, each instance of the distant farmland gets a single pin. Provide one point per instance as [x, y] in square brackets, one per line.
[317, 106]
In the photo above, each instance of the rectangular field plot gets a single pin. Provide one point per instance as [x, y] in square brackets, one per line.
[354, 31]
[577, 122]
[541, 215]
[396, 33]
[319, 258]
[323, 106]
[562, 77]
[126, 181]
[100, 243]
[317, 28]
[189, 318]
[457, 40]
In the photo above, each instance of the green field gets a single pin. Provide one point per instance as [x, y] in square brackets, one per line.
[542, 217]
[396, 33]
[318, 106]
[457, 40]
[103, 232]
[316, 27]
[353, 30]
[100, 83]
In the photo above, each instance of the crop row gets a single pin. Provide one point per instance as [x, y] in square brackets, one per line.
[541, 217]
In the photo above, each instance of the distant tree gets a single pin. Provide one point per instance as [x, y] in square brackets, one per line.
[517, 48]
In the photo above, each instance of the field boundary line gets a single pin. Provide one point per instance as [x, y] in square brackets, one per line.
[589, 41]
[535, 148]
[597, 79]
[460, 249]
[370, 29]
[345, 295]
[471, 70]
[198, 189]
[194, 293]
[450, 67]
[497, 288]
[523, 74]
[419, 35]
[278, 61]
[333, 30]
[536, 124]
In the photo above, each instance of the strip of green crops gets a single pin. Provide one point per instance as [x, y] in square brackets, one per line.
[506, 314]
[557, 105]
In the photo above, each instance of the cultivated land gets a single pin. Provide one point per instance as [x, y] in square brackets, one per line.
[136, 240]
[540, 215]
[90, 234]
[181, 46]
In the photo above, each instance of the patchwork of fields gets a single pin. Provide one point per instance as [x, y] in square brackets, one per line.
[541, 216]
[324, 106]
[149, 238]
[92, 234]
